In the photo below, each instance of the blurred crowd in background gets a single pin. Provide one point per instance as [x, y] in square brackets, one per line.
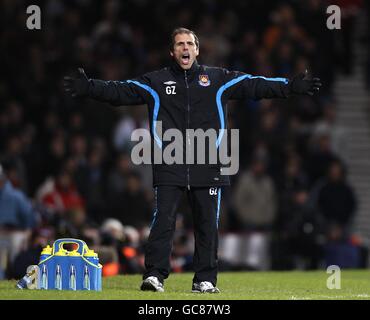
[66, 165]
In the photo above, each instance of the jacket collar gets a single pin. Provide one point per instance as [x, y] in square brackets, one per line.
[175, 67]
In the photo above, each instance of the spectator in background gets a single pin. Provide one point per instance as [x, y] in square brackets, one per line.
[298, 233]
[320, 157]
[13, 155]
[73, 224]
[255, 198]
[256, 208]
[130, 255]
[327, 125]
[63, 195]
[40, 238]
[122, 134]
[16, 210]
[293, 178]
[17, 218]
[336, 200]
[337, 204]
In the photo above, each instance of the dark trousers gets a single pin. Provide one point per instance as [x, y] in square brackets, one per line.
[205, 205]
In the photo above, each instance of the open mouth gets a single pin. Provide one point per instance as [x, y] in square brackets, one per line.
[185, 58]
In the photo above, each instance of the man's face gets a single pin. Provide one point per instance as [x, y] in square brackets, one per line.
[185, 50]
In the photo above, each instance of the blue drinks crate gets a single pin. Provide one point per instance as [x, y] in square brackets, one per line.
[60, 269]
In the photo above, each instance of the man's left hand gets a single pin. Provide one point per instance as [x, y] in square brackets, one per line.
[300, 85]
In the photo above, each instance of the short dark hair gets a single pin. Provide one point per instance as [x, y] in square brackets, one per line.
[181, 31]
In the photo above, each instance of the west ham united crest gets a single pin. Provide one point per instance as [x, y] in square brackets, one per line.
[204, 80]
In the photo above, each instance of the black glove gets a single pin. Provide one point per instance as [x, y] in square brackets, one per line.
[299, 85]
[77, 87]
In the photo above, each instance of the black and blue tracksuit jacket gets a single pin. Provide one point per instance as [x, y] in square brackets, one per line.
[188, 99]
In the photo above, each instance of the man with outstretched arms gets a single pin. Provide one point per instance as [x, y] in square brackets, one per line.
[186, 96]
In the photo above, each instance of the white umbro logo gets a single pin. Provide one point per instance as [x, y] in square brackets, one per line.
[170, 88]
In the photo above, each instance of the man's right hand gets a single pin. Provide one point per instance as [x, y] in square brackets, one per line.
[77, 87]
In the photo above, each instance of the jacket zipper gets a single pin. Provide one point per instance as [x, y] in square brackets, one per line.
[187, 134]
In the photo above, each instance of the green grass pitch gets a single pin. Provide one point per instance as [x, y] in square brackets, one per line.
[295, 285]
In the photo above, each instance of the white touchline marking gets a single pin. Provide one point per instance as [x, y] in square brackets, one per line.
[298, 298]
[332, 297]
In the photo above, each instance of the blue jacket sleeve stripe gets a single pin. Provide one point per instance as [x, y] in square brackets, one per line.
[219, 104]
[228, 85]
[157, 105]
[268, 79]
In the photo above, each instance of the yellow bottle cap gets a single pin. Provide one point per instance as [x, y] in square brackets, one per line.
[90, 253]
[61, 252]
[74, 253]
[47, 250]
